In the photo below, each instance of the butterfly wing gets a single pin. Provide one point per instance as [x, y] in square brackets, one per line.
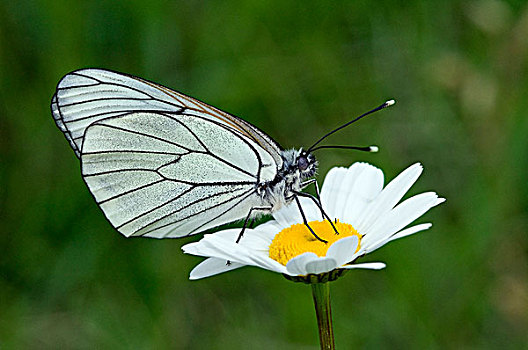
[155, 166]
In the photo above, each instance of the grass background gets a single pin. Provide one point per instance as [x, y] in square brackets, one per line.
[458, 70]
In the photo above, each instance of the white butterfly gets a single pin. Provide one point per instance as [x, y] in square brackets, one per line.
[163, 164]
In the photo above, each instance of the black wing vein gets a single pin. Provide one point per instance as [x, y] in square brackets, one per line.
[245, 195]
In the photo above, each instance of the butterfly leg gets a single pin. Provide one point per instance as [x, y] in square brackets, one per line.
[317, 192]
[306, 221]
[308, 183]
[318, 203]
[247, 220]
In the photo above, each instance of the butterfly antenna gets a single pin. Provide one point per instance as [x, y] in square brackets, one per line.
[384, 105]
[372, 149]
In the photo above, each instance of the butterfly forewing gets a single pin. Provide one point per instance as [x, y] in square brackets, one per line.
[89, 95]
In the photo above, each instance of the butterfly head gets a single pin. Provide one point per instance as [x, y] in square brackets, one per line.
[306, 164]
[298, 164]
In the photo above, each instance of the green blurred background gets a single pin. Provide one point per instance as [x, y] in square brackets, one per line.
[458, 70]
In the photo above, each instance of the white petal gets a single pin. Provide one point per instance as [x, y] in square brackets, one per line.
[216, 247]
[343, 250]
[231, 233]
[366, 187]
[290, 215]
[261, 236]
[192, 248]
[269, 228]
[407, 232]
[239, 253]
[309, 262]
[297, 265]
[212, 266]
[311, 211]
[401, 216]
[261, 232]
[411, 230]
[389, 197]
[321, 265]
[333, 193]
[286, 214]
[372, 266]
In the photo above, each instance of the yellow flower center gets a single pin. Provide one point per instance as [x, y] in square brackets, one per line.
[297, 239]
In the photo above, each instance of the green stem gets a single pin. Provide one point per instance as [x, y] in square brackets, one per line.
[321, 296]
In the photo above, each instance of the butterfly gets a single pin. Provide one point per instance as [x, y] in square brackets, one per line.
[162, 164]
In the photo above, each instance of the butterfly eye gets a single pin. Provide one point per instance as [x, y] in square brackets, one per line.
[302, 163]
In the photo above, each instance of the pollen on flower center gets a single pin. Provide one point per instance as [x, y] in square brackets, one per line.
[297, 239]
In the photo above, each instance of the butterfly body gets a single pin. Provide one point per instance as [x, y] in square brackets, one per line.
[298, 166]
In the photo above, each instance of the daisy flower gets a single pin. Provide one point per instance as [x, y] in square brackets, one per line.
[366, 215]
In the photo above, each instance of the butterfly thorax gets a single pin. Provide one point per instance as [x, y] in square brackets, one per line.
[297, 166]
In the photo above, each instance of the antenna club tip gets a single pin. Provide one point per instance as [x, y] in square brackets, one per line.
[389, 103]
[373, 149]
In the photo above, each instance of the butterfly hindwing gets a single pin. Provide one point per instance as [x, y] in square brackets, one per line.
[159, 174]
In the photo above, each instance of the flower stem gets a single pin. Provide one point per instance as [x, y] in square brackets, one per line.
[321, 296]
